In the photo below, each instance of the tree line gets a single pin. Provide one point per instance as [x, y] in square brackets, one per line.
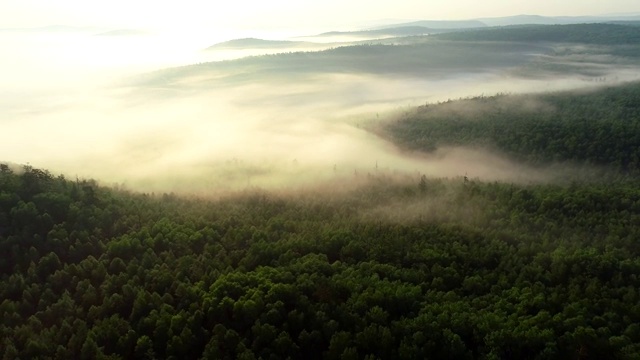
[598, 127]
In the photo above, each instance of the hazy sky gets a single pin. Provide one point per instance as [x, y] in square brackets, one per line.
[196, 14]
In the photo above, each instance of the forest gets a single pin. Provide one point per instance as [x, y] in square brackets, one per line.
[413, 57]
[534, 51]
[398, 266]
[587, 127]
[601, 34]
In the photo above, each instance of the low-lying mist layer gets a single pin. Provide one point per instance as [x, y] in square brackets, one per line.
[240, 124]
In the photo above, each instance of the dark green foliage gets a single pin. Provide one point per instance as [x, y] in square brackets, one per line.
[492, 271]
[600, 34]
[599, 127]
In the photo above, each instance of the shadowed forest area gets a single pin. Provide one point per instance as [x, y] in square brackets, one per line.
[601, 34]
[478, 270]
[587, 127]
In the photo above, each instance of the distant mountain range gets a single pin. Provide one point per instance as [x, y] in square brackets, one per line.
[530, 50]
[253, 43]
[425, 27]
[513, 20]
[435, 24]
[409, 29]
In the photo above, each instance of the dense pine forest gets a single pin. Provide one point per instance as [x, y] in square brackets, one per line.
[397, 267]
[593, 34]
[593, 127]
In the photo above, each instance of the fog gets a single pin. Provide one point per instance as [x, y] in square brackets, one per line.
[74, 104]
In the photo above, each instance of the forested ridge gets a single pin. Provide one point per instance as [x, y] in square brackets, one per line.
[573, 49]
[476, 270]
[600, 34]
[593, 127]
[412, 56]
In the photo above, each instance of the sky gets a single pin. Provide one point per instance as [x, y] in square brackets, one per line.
[281, 14]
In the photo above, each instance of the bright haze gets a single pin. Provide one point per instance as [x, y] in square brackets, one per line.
[279, 14]
[84, 93]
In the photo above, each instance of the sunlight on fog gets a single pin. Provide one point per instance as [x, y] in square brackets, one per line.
[74, 106]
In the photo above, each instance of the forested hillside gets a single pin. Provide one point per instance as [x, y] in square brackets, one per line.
[595, 127]
[600, 34]
[586, 50]
[407, 56]
[398, 268]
